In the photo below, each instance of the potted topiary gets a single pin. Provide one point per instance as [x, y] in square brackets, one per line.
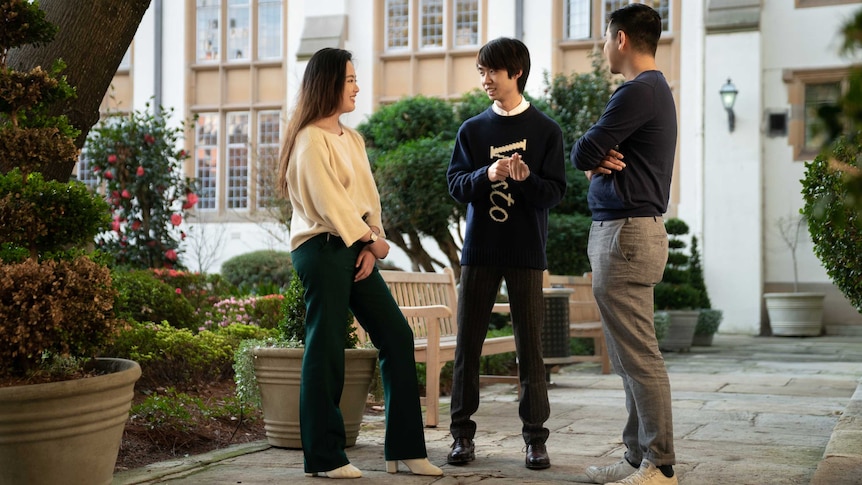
[268, 372]
[675, 294]
[796, 313]
[56, 300]
[708, 318]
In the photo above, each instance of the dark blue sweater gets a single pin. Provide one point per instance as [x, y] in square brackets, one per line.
[640, 118]
[507, 221]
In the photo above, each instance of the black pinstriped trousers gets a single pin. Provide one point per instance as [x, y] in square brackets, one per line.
[477, 294]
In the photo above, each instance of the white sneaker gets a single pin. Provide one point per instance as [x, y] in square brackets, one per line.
[647, 474]
[611, 473]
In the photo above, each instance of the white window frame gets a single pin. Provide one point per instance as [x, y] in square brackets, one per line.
[584, 18]
[387, 30]
[454, 23]
[423, 4]
[205, 202]
[237, 167]
[263, 36]
[204, 35]
[666, 20]
[267, 159]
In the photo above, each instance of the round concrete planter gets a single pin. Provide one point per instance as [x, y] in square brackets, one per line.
[680, 332]
[66, 432]
[795, 314]
[278, 372]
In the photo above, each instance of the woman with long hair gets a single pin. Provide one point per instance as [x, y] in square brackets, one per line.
[336, 237]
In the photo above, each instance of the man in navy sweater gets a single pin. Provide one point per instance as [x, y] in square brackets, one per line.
[628, 156]
[508, 166]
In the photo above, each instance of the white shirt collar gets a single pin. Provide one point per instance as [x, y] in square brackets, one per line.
[522, 106]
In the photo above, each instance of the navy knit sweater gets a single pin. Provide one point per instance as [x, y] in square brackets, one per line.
[507, 221]
[640, 118]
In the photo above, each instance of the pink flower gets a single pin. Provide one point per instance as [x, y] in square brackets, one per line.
[115, 225]
[109, 175]
[176, 219]
[171, 255]
[95, 169]
[182, 154]
[191, 200]
[126, 194]
[182, 235]
[149, 139]
[140, 171]
[136, 225]
[179, 290]
[112, 158]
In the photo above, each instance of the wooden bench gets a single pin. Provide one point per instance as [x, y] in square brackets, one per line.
[429, 301]
[584, 318]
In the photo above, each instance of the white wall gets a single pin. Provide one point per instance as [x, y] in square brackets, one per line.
[732, 250]
[818, 48]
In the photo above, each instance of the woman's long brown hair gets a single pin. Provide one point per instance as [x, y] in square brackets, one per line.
[319, 96]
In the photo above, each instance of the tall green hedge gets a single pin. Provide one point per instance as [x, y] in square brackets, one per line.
[834, 221]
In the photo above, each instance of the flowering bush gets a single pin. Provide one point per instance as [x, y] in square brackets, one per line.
[136, 156]
[201, 290]
[261, 311]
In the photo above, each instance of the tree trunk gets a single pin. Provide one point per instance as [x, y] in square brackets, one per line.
[92, 39]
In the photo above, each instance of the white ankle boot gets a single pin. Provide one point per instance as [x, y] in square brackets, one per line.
[418, 466]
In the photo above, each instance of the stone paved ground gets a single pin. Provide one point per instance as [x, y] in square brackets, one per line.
[748, 410]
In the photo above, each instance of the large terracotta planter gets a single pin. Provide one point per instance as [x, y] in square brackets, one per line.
[278, 372]
[795, 314]
[66, 432]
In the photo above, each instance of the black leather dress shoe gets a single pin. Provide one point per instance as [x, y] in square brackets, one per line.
[537, 457]
[462, 452]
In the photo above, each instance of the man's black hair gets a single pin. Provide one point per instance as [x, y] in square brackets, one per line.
[641, 24]
[509, 54]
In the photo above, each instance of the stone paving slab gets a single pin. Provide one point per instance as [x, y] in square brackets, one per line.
[748, 410]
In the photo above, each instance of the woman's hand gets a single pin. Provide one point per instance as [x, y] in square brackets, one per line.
[364, 264]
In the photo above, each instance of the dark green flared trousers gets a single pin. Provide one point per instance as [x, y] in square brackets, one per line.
[326, 267]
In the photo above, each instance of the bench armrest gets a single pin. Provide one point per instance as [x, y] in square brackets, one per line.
[428, 311]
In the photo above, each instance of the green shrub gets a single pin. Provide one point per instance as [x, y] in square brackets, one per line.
[292, 323]
[172, 411]
[708, 321]
[696, 275]
[179, 357]
[144, 298]
[500, 364]
[567, 243]
[661, 323]
[410, 118]
[251, 270]
[201, 290]
[29, 209]
[582, 346]
[831, 188]
[675, 291]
